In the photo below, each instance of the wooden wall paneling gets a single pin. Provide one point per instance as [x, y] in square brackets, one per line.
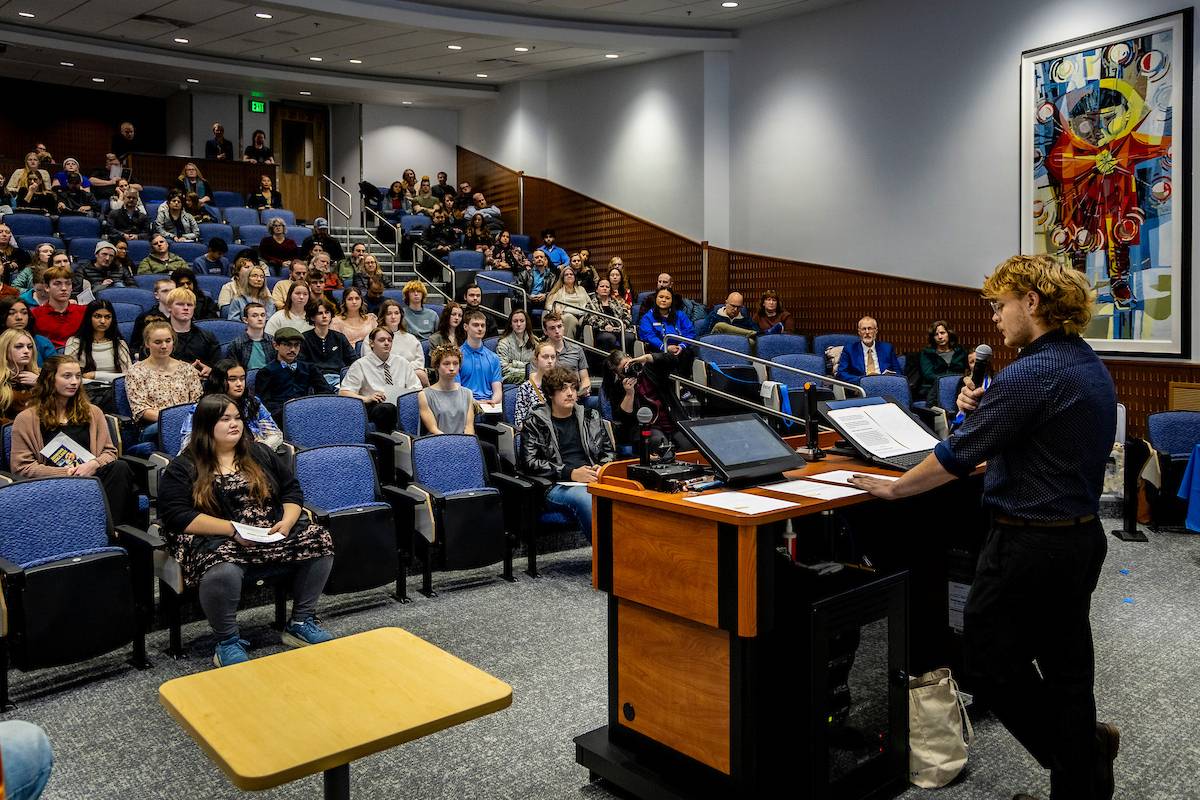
[499, 184]
[225, 176]
[674, 677]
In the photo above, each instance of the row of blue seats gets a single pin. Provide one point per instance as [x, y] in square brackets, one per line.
[69, 227]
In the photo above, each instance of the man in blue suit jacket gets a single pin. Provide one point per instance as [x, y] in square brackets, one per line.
[856, 359]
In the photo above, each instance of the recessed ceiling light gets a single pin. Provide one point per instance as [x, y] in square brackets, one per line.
[406, 102]
[454, 47]
[180, 40]
[97, 80]
[25, 14]
[480, 74]
[729, 4]
[315, 58]
[192, 80]
[356, 61]
[262, 15]
[306, 94]
[612, 55]
[521, 49]
[65, 64]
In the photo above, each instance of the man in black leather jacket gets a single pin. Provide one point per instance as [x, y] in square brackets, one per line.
[564, 441]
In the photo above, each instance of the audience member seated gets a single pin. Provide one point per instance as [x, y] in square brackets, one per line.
[191, 181]
[162, 311]
[104, 178]
[771, 316]
[74, 200]
[564, 442]
[276, 247]
[537, 280]
[943, 356]
[446, 406]
[121, 259]
[667, 317]
[184, 278]
[293, 312]
[326, 349]
[228, 377]
[515, 348]
[450, 326]
[404, 344]
[607, 331]
[297, 272]
[529, 393]
[125, 141]
[644, 382]
[265, 196]
[396, 201]
[39, 259]
[45, 158]
[287, 378]
[568, 299]
[423, 202]
[230, 290]
[441, 237]
[252, 288]
[503, 254]
[378, 378]
[62, 259]
[13, 259]
[19, 179]
[70, 166]
[257, 152]
[868, 357]
[214, 261]
[103, 270]
[36, 295]
[128, 219]
[60, 316]
[473, 301]
[122, 188]
[557, 256]
[354, 321]
[174, 223]
[35, 197]
[570, 354]
[160, 259]
[462, 198]
[59, 406]
[18, 372]
[370, 277]
[218, 147]
[480, 370]
[321, 263]
[200, 213]
[14, 315]
[160, 380]
[225, 479]
[696, 312]
[441, 188]
[350, 264]
[255, 348]
[420, 321]
[320, 235]
[193, 345]
[729, 318]
[102, 353]
[478, 237]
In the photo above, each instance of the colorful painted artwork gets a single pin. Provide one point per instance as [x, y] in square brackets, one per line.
[1104, 129]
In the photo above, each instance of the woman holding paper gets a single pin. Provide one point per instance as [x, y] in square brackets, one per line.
[232, 508]
[62, 434]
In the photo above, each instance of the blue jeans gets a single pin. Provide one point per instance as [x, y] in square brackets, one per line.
[575, 500]
[27, 757]
[150, 433]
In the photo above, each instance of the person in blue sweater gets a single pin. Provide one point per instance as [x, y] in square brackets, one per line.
[665, 318]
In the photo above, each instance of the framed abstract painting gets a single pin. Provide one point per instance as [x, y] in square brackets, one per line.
[1106, 176]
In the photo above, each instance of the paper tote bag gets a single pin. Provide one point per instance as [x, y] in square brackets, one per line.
[939, 730]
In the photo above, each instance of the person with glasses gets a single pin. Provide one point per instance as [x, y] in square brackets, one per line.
[867, 356]
[378, 379]
[1044, 428]
[277, 247]
[728, 318]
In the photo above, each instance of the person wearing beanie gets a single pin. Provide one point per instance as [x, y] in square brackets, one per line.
[104, 271]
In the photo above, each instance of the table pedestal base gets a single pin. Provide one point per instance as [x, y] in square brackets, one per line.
[337, 783]
[630, 771]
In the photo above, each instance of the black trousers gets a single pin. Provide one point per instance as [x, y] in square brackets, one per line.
[1029, 603]
[383, 415]
[119, 489]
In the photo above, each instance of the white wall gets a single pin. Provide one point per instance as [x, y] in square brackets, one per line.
[395, 138]
[345, 139]
[208, 108]
[883, 135]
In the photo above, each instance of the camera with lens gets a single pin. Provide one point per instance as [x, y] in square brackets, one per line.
[633, 369]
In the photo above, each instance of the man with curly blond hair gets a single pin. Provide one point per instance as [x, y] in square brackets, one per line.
[1045, 428]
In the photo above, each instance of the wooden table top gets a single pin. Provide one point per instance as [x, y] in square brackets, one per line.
[274, 719]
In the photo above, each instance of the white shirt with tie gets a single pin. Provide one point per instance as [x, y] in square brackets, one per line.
[367, 376]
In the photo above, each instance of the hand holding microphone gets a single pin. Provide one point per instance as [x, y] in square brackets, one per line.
[972, 391]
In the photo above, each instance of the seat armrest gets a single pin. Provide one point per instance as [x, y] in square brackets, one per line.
[145, 472]
[538, 480]
[316, 512]
[434, 494]
[502, 481]
[397, 496]
[389, 447]
[127, 535]
[10, 570]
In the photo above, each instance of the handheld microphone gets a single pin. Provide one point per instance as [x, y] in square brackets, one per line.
[644, 416]
[983, 359]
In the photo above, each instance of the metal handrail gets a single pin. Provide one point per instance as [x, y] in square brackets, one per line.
[598, 314]
[756, 360]
[447, 272]
[328, 201]
[524, 294]
[376, 240]
[734, 399]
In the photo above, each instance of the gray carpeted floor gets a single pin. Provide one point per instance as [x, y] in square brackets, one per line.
[547, 638]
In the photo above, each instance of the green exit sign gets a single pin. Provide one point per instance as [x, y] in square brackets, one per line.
[258, 106]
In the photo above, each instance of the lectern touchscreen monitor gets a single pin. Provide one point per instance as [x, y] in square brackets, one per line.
[742, 448]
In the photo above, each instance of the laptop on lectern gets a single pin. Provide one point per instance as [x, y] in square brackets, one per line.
[742, 448]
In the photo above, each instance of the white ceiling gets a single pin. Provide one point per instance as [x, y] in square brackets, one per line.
[131, 43]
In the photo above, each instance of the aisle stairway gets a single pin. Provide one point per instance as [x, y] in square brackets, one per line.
[400, 273]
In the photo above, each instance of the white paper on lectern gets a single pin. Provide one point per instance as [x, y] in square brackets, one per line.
[883, 430]
[818, 491]
[842, 476]
[741, 502]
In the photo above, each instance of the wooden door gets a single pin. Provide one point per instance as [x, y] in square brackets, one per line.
[300, 137]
